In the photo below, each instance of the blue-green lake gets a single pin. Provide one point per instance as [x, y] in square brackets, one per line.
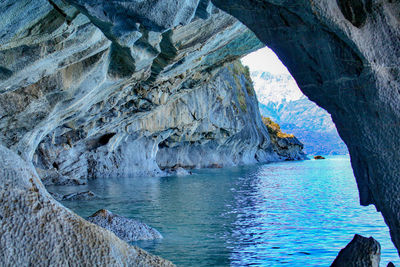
[287, 213]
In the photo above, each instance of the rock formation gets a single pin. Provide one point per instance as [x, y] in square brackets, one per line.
[131, 100]
[287, 146]
[360, 252]
[345, 56]
[99, 87]
[126, 229]
[90, 88]
[36, 230]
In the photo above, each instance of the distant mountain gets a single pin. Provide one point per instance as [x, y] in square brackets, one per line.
[280, 99]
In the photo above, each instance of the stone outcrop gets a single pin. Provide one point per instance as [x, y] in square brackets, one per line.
[345, 56]
[133, 98]
[90, 88]
[36, 230]
[127, 229]
[360, 252]
[87, 87]
[217, 116]
[287, 146]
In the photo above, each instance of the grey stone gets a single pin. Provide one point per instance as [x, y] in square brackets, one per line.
[86, 195]
[37, 230]
[360, 252]
[94, 87]
[127, 229]
[350, 67]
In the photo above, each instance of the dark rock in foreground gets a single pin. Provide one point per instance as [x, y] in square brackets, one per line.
[361, 251]
[319, 157]
[127, 229]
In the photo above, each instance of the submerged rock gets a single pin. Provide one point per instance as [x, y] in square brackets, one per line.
[86, 195]
[181, 172]
[128, 230]
[38, 230]
[360, 252]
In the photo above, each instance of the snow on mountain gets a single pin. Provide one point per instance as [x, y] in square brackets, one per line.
[282, 101]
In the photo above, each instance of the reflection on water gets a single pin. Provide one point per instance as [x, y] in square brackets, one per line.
[289, 213]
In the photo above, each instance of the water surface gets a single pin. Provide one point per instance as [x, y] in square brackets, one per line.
[289, 213]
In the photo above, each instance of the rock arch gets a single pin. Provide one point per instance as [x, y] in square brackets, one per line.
[66, 65]
[345, 56]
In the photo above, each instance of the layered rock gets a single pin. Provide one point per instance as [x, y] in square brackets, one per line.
[213, 122]
[131, 100]
[66, 69]
[90, 88]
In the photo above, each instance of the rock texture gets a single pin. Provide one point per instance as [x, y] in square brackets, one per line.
[36, 230]
[100, 88]
[360, 252]
[127, 229]
[287, 146]
[83, 82]
[345, 56]
[108, 91]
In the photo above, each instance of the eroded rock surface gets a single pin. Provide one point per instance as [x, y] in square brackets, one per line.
[36, 230]
[360, 252]
[345, 56]
[84, 84]
[109, 90]
[90, 88]
[127, 229]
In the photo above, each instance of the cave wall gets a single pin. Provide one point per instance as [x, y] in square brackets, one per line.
[95, 88]
[87, 92]
[345, 56]
[214, 122]
[67, 67]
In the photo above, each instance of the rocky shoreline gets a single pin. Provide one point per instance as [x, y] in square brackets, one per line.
[117, 88]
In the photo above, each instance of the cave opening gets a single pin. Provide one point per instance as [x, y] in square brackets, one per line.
[281, 100]
[116, 90]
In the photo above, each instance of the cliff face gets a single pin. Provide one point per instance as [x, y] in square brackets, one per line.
[97, 94]
[345, 56]
[87, 81]
[94, 88]
[285, 145]
[213, 122]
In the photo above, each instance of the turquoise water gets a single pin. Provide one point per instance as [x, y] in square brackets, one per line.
[289, 213]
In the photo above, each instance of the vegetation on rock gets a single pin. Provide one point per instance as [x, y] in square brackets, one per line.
[274, 129]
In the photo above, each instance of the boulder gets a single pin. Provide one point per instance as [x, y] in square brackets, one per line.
[86, 195]
[360, 252]
[36, 230]
[127, 229]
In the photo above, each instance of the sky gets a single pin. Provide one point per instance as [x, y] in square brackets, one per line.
[264, 59]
